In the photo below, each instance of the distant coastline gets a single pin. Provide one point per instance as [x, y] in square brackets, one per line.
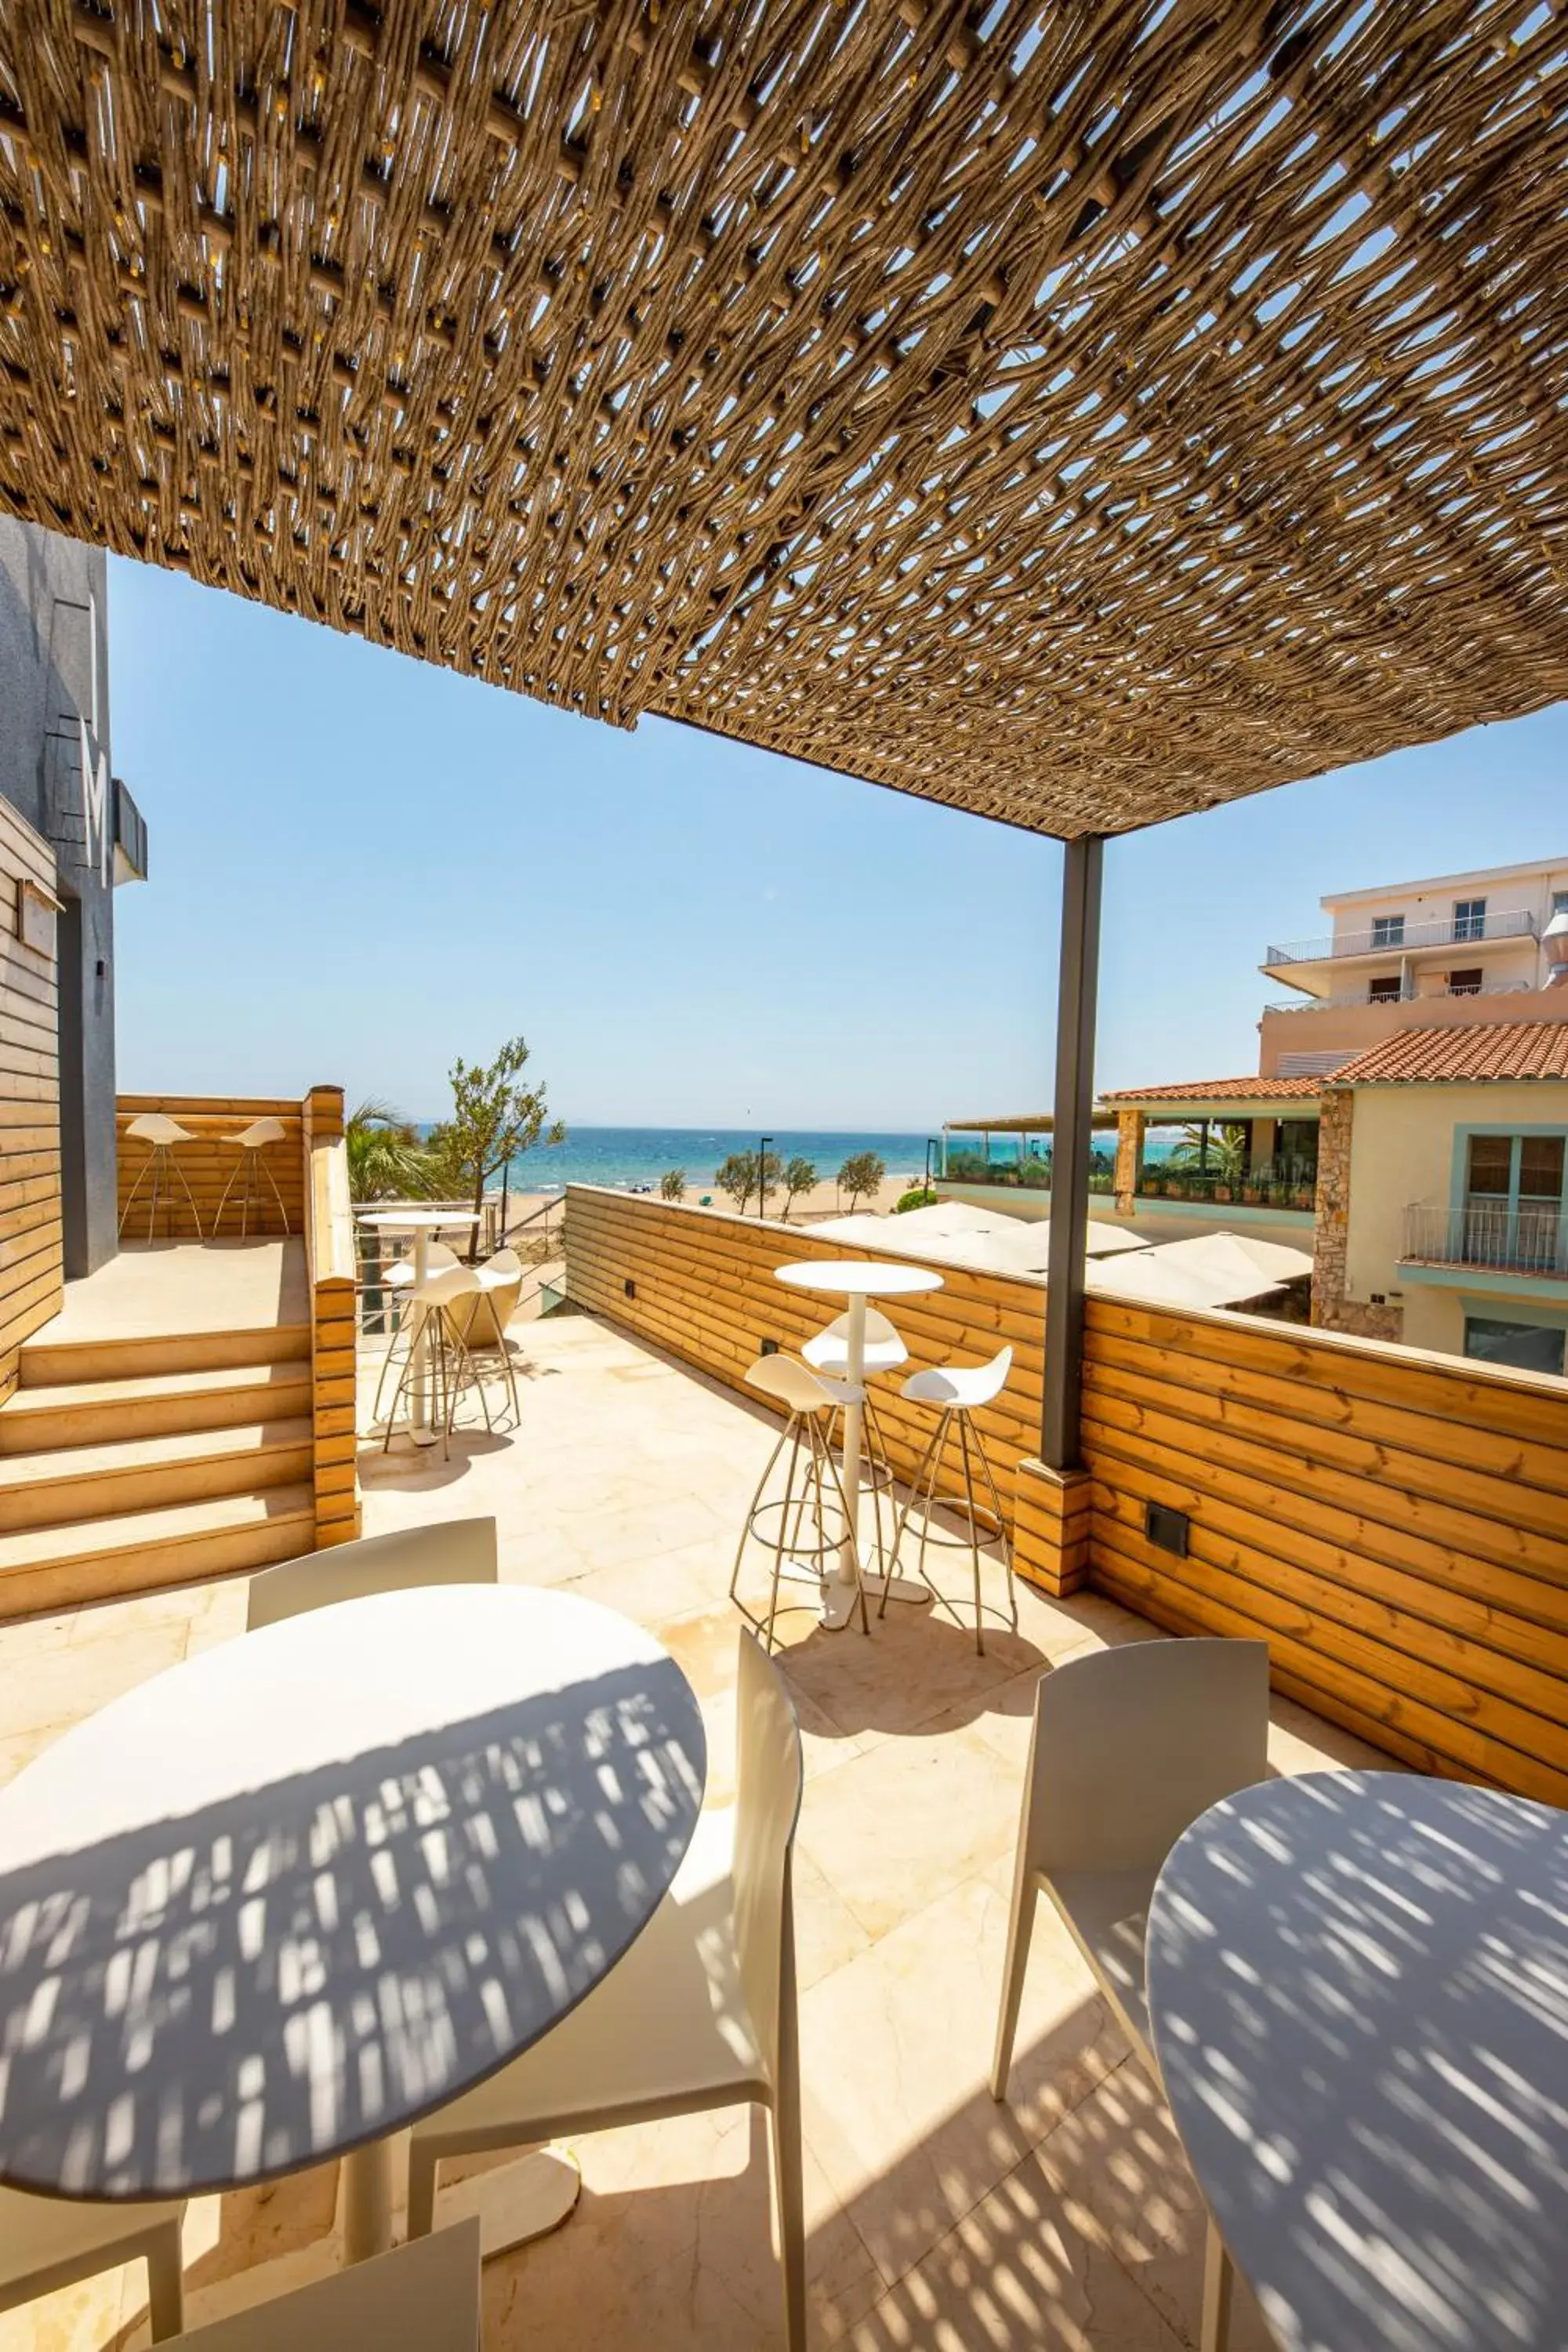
[628, 1156]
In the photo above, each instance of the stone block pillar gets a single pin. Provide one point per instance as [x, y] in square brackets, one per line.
[1130, 1126]
[1332, 1308]
[1052, 1525]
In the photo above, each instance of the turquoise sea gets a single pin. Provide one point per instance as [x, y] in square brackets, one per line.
[640, 1155]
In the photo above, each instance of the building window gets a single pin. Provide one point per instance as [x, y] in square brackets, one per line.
[1560, 902]
[1469, 918]
[1528, 1347]
[1384, 990]
[1465, 983]
[1514, 1202]
[1388, 930]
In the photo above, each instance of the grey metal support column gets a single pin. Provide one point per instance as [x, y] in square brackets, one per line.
[1070, 1136]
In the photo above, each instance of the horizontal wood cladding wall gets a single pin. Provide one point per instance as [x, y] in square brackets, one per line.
[31, 1276]
[209, 1161]
[1395, 1526]
[706, 1290]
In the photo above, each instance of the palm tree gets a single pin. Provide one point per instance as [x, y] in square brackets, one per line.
[1227, 1157]
[387, 1159]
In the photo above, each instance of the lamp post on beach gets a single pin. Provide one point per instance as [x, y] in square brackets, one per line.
[763, 1147]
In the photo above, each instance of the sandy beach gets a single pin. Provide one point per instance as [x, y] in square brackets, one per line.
[806, 1209]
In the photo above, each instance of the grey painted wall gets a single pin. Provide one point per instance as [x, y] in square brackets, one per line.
[54, 674]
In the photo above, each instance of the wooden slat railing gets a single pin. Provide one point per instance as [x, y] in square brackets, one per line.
[331, 1270]
[1393, 1525]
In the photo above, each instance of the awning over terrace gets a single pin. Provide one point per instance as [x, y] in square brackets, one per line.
[1080, 416]
[1077, 415]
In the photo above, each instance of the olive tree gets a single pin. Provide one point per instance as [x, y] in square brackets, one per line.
[800, 1176]
[738, 1177]
[672, 1184]
[862, 1173]
[494, 1117]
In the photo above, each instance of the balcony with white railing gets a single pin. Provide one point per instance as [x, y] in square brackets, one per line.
[1359, 997]
[1530, 1239]
[1396, 938]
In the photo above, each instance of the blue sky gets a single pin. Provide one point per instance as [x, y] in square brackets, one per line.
[363, 867]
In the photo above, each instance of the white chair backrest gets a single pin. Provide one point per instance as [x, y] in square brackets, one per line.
[880, 1332]
[1130, 1744]
[451, 1552]
[155, 1127]
[260, 1131]
[505, 1263]
[448, 1282]
[768, 1777]
[789, 1381]
[437, 1256]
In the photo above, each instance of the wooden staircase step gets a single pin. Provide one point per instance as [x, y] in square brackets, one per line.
[53, 1363]
[161, 1404]
[54, 1567]
[59, 1489]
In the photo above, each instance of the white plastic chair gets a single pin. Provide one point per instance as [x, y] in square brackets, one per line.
[701, 2013]
[813, 1497]
[1130, 1747]
[251, 1143]
[448, 1551]
[161, 1133]
[51, 2242]
[958, 1391]
[419, 2298]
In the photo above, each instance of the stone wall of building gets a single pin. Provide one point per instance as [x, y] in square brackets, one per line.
[1332, 1309]
[1130, 1126]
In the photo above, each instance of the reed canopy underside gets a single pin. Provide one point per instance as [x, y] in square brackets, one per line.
[1076, 414]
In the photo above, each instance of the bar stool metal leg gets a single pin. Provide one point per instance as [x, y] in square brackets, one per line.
[795, 1526]
[981, 1518]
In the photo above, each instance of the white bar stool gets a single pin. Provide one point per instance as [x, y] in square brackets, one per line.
[484, 1323]
[812, 1486]
[884, 1352]
[162, 1133]
[451, 1368]
[959, 1389]
[251, 1142]
[397, 1280]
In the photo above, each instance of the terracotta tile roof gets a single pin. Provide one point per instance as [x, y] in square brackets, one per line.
[1253, 1089]
[1518, 1049]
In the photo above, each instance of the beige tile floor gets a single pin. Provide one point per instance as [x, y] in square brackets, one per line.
[938, 2219]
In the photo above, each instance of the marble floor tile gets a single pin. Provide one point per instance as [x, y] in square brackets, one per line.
[899, 1827]
[1124, 2185]
[1017, 2275]
[895, 2055]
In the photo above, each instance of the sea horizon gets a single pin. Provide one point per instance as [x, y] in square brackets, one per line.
[640, 1155]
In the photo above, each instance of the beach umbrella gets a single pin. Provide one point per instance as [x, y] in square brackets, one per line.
[1232, 1257]
[1145, 1278]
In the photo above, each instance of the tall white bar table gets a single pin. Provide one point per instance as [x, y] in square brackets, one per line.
[1358, 1983]
[858, 1280]
[276, 1903]
[421, 1224]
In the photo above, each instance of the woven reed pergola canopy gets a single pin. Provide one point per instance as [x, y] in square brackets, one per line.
[1078, 414]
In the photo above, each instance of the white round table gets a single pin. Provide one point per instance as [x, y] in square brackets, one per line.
[857, 1280]
[421, 1224]
[1359, 1989]
[279, 1901]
